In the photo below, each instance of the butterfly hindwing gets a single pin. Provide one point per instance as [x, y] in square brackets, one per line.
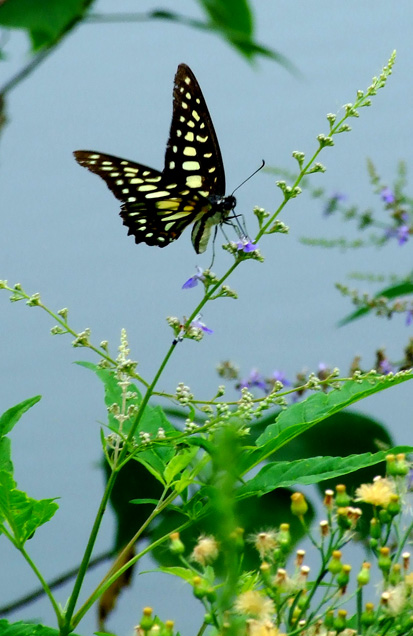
[158, 206]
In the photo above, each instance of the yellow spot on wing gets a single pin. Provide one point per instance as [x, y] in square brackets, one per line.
[189, 151]
[191, 165]
[159, 193]
[194, 181]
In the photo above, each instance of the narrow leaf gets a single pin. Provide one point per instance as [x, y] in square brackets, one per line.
[12, 415]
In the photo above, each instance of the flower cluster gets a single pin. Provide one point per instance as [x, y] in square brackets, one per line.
[280, 597]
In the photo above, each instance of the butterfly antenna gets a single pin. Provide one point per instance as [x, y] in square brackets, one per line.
[250, 177]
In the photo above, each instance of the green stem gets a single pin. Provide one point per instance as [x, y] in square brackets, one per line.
[45, 586]
[108, 582]
[359, 608]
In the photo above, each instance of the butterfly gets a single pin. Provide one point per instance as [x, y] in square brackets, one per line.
[158, 206]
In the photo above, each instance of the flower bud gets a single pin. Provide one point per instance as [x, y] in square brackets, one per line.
[406, 560]
[391, 465]
[335, 566]
[265, 570]
[329, 619]
[375, 528]
[368, 617]
[176, 546]
[384, 517]
[402, 467]
[324, 528]
[300, 557]
[342, 498]
[299, 505]
[147, 620]
[168, 628]
[200, 587]
[384, 560]
[284, 537]
[395, 574]
[394, 506]
[343, 578]
[343, 520]
[363, 577]
[340, 620]
[328, 499]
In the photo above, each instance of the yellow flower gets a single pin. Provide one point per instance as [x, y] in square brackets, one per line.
[253, 603]
[378, 493]
[205, 551]
[261, 628]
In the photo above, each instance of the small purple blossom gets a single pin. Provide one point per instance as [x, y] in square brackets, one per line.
[193, 281]
[409, 317]
[385, 367]
[200, 325]
[333, 201]
[255, 379]
[245, 245]
[387, 195]
[403, 234]
[279, 376]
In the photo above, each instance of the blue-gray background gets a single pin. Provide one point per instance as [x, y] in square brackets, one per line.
[109, 88]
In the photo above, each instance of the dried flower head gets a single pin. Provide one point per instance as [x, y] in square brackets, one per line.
[205, 551]
[378, 493]
[255, 604]
[265, 543]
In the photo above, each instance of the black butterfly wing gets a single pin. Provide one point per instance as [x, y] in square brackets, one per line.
[193, 156]
[154, 210]
[157, 207]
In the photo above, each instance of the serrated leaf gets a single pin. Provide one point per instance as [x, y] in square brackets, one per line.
[10, 417]
[22, 514]
[405, 288]
[310, 471]
[301, 416]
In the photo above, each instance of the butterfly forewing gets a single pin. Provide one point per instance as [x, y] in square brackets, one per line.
[158, 206]
[192, 153]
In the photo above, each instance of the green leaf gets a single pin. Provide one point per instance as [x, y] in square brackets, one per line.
[230, 15]
[178, 463]
[152, 420]
[12, 415]
[301, 416]
[5, 455]
[22, 514]
[182, 573]
[27, 629]
[44, 20]
[144, 501]
[310, 471]
[404, 288]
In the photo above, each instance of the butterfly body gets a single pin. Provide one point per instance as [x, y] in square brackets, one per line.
[158, 206]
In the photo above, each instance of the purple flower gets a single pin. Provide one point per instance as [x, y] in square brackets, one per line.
[254, 379]
[409, 317]
[279, 376]
[385, 367]
[387, 195]
[245, 245]
[200, 325]
[193, 281]
[403, 234]
[333, 201]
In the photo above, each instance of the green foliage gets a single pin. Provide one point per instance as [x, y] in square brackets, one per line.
[301, 416]
[397, 290]
[310, 471]
[20, 515]
[44, 20]
[26, 629]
